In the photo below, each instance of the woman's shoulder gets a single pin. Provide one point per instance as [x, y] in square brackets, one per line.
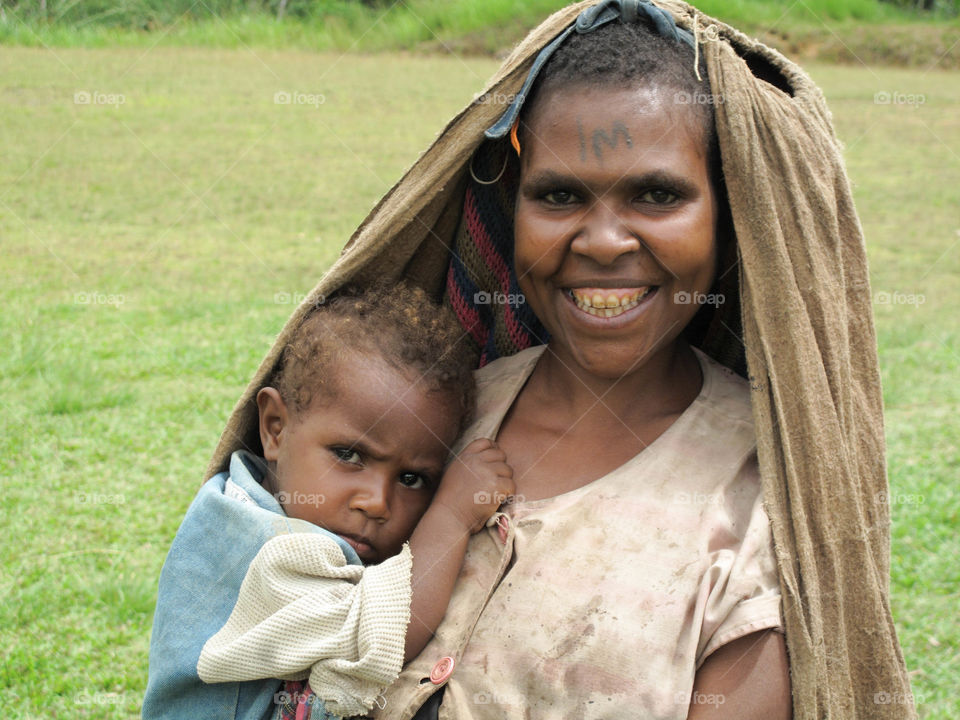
[724, 392]
[511, 366]
[498, 384]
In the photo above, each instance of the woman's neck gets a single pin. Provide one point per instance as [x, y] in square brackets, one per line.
[663, 385]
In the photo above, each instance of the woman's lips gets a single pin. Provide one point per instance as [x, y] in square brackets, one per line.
[609, 302]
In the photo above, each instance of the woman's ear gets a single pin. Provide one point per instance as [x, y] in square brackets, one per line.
[273, 419]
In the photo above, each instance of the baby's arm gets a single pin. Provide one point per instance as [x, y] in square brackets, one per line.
[473, 487]
[300, 607]
[303, 611]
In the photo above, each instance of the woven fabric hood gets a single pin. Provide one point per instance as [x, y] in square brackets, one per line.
[799, 326]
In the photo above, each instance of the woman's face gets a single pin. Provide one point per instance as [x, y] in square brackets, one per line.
[615, 223]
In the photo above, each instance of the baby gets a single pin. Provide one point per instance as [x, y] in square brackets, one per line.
[297, 564]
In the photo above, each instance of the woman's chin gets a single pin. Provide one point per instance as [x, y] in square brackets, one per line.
[608, 361]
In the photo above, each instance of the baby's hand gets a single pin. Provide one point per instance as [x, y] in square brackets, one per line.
[476, 483]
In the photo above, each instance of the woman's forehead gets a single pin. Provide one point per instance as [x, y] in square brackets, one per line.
[641, 100]
[597, 123]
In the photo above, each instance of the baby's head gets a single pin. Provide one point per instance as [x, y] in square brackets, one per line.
[371, 392]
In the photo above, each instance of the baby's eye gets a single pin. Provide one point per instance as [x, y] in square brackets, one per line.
[658, 196]
[347, 455]
[414, 481]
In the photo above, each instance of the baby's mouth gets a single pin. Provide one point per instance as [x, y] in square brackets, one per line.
[362, 545]
[609, 302]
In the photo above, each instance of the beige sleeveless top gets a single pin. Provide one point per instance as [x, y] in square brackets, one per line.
[603, 601]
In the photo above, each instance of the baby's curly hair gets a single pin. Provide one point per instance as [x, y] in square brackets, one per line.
[396, 322]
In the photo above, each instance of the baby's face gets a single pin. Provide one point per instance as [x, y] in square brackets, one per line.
[364, 463]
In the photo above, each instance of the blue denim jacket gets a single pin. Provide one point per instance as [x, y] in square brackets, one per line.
[199, 585]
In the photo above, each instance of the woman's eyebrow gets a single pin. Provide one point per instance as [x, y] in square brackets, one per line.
[543, 180]
[663, 179]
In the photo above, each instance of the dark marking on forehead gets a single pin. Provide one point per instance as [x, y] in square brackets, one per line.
[611, 140]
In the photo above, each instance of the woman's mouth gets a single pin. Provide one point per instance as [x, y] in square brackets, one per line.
[609, 302]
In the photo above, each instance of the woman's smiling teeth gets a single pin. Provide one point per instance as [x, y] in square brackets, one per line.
[608, 303]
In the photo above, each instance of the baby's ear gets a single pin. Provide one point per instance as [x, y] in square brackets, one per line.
[273, 419]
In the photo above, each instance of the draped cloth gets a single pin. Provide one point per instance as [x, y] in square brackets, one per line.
[799, 325]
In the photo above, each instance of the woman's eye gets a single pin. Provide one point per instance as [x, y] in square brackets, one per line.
[347, 455]
[658, 197]
[413, 481]
[559, 197]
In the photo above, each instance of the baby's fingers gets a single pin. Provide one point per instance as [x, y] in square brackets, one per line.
[491, 456]
[501, 469]
[477, 446]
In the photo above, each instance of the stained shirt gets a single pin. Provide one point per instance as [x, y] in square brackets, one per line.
[602, 602]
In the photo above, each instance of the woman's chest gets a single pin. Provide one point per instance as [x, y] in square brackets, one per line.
[557, 456]
[591, 611]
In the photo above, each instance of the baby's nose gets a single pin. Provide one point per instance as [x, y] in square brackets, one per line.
[373, 498]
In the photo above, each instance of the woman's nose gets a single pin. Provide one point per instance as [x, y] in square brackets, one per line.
[604, 236]
[372, 497]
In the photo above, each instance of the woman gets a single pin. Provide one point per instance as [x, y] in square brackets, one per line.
[618, 206]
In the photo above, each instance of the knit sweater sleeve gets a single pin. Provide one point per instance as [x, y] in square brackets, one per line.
[302, 610]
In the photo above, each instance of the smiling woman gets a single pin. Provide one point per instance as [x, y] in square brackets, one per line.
[615, 420]
[677, 526]
[622, 232]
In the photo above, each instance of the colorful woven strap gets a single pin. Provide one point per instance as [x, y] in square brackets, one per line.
[482, 283]
[297, 701]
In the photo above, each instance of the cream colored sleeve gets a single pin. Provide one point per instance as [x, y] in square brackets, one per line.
[740, 593]
[303, 609]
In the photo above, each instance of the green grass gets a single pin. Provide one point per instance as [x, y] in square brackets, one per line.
[150, 252]
[905, 162]
[486, 27]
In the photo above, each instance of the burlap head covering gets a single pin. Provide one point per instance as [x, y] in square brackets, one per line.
[803, 324]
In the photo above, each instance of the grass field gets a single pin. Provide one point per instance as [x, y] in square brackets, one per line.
[837, 30]
[160, 213]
